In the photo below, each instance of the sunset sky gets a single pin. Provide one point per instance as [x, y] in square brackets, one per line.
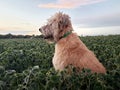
[89, 17]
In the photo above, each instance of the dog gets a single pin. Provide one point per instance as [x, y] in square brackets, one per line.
[69, 49]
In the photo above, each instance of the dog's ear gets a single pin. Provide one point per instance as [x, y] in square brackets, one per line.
[63, 23]
[57, 31]
[56, 35]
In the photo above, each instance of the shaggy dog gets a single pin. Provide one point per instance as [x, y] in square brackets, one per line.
[69, 49]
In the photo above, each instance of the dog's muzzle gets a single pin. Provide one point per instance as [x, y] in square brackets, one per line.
[48, 37]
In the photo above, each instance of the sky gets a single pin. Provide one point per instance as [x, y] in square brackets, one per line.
[89, 17]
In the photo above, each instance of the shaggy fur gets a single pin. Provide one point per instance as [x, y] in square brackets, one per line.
[69, 50]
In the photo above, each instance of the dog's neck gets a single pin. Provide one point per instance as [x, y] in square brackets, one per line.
[66, 34]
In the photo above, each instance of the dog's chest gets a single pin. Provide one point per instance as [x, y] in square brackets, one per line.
[58, 62]
[59, 59]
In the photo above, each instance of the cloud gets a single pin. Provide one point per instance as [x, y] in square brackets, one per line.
[23, 29]
[17, 32]
[14, 28]
[68, 4]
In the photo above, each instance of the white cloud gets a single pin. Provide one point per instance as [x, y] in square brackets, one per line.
[68, 4]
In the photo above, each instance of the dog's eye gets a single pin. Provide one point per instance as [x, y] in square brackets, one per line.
[61, 31]
[60, 22]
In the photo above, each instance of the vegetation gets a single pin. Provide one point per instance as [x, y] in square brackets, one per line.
[26, 64]
[10, 36]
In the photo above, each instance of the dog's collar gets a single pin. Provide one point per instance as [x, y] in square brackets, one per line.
[66, 34]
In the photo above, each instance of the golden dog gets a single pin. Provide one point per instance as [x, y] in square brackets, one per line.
[69, 49]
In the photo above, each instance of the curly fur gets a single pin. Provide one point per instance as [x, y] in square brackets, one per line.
[69, 50]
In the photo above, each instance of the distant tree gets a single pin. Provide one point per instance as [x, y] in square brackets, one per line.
[9, 35]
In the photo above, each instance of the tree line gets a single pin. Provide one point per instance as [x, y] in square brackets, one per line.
[10, 36]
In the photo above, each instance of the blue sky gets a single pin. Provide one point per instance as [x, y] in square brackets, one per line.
[89, 17]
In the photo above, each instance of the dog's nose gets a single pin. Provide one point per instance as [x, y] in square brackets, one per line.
[40, 29]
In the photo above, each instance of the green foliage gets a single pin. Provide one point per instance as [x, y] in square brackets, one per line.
[26, 64]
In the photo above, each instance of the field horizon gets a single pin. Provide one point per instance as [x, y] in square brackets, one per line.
[41, 34]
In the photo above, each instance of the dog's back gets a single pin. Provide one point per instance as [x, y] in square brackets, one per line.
[72, 51]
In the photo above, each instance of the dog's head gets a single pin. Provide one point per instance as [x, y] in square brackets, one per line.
[56, 26]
